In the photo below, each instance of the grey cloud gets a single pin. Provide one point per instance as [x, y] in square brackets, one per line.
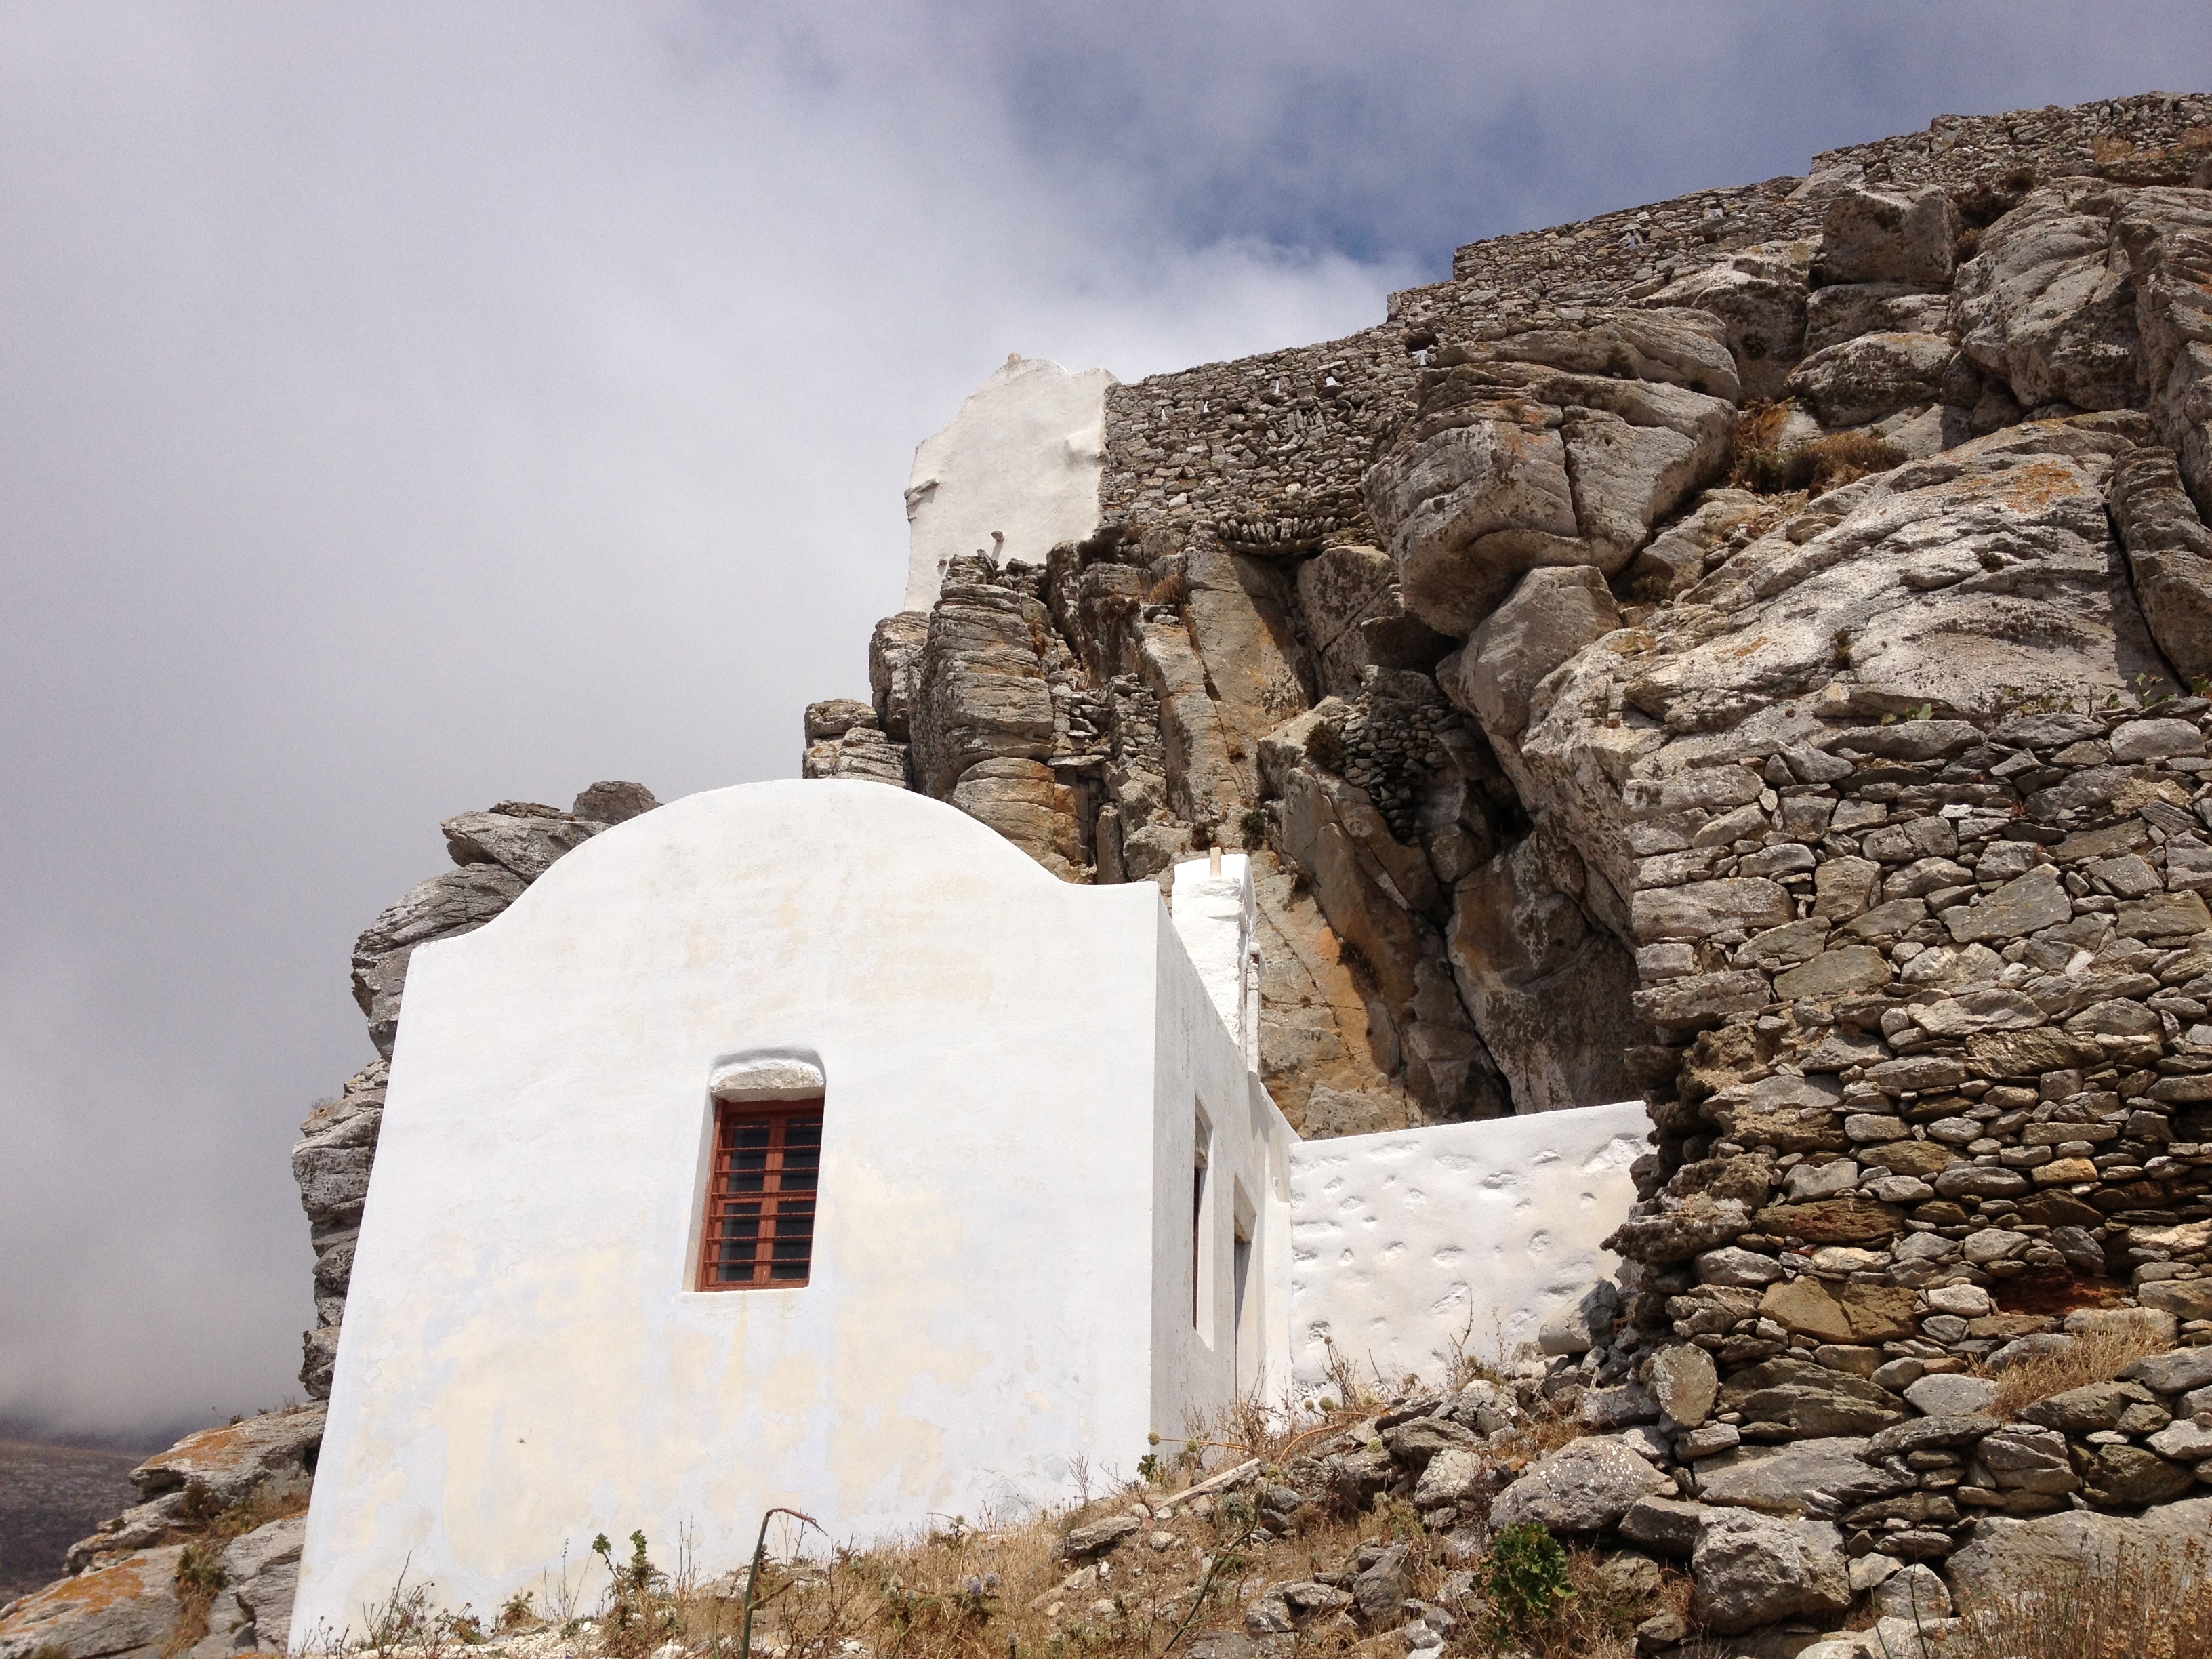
[412, 406]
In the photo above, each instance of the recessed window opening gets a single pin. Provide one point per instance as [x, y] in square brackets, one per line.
[1242, 1306]
[761, 1194]
[1241, 1269]
[1201, 1214]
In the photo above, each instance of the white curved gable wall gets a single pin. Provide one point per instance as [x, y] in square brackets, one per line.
[1002, 1265]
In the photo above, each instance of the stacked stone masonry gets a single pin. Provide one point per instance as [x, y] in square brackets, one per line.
[1269, 452]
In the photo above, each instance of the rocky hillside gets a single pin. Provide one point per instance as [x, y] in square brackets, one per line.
[1749, 652]
[1745, 651]
[1333, 582]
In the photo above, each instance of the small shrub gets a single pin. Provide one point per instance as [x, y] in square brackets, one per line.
[1765, 468]
[1526, 1579]
[1325, 746]
[1760, 469]
[1254, 827]
[640, 1610]
[1171, 589]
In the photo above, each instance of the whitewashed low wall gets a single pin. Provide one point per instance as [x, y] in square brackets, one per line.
[1411, 1245]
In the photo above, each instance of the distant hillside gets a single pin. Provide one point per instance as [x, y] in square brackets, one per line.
[51, 1497]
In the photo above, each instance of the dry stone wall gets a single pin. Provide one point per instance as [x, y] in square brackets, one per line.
[1267, 453]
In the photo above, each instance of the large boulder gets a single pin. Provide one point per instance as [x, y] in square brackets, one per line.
[1550, 986]
[2048, 306]
[981, 693]
[1751, 1570]
[1760, 297]
[2170, 552]
[456, 901]
[1550, 446]
[1024, 801]
[1585, 1486]
[2167, 234]
[862, 753]
[272, 1454]
[261, 1569]
[895, 669]
[1354, 616]
[1820, 1478]
[1812, 1400]
[613, 801]
[1554, 612]
[2007, 1559]
[1848, 310]
[521, 836]
[1889, 236]
[1864, 378]
[124, 1609]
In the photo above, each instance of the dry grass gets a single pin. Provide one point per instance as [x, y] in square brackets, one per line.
[2095, 1356]
[1815, 468]
[990, 1588]
[199, 1570]
[1171, 589]
[1764, 466]
[2154, 1608]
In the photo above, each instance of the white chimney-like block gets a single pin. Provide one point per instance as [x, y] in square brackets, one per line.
[1217, 915]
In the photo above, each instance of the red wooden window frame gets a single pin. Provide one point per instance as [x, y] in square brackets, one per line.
[759, 1231]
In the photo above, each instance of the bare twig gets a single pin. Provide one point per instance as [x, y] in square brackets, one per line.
[752, 1576]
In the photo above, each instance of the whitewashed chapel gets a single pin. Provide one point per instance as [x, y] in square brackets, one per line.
[807, 1143]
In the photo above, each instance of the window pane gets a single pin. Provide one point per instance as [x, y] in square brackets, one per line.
[748, 1160]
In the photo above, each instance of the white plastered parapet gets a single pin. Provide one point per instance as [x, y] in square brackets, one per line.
[1217, 917]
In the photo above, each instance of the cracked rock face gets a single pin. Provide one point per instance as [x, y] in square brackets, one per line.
[1550, 446]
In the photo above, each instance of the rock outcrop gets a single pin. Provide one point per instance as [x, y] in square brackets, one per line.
[1749, 651]
[498, 852]
[1465, 622]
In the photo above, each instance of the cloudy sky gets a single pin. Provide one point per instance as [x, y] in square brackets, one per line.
[408, 407]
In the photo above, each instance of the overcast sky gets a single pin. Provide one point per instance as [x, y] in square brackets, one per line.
[408, 407]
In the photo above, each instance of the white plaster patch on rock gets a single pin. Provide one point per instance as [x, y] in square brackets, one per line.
[1022, 459]
[1481, 1263]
